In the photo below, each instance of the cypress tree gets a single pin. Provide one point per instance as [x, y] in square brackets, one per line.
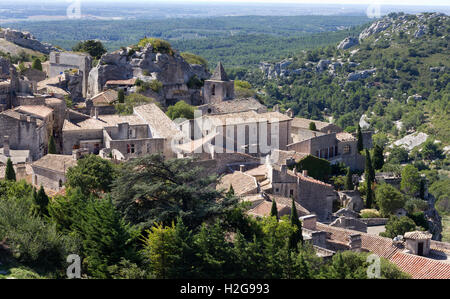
[121, 96]
[312, 126]
[360, 140]
[349, 180]
[51, 145]
[297, 235]
[370, 178]
[378, 157]
[10, 174]
[37, 64]
[274, 210]
[230, 192]
[41, 201]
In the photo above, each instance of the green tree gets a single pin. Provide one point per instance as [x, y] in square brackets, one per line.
[41, 201]
[349, 180]
[274, 210]
[370, 178]
[37, 64]
[152, 190]
[121, 96]
[312, 126]
[398, 155]
[378, 157]
[92, 174]
[360, 144]
[388, 199]
[296, 235]
[411, 181]
[93, 47]
[51, 145]
[181, 110]
[10, 174]
[398, 226]
[106, 238]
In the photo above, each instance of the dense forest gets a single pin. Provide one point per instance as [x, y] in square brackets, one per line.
[234, 40]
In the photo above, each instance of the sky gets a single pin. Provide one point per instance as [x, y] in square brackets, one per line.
[381, 2]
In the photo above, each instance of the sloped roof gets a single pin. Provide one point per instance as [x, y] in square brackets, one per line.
[417, 235]
[219, 73]
[110, 120]
[131, 81]
[59, 163]
[105, 98]
[159, 122]
[243, 184]
[37, 110]
[344, 136]
[418, 267]
[298, 122]
[236, 105]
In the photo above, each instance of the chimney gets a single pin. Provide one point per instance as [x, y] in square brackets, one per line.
[6, 146]
[96, 113]
[309, 222]
[355, 241]
[242, 168]
[305, 172]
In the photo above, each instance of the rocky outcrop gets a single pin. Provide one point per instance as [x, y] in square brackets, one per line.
[358, 75]
[348, 43]
[323, 65]
[376, 27]
[26, 40]
[146, 64]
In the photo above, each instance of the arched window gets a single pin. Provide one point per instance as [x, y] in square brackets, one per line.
[213, 90]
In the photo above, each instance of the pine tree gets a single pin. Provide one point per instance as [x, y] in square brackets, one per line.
[360, 140]
[297, 235]
[274, 210]
[10, 174]
[378, 157]
[349, 180]
[37, 64]
[51, 145]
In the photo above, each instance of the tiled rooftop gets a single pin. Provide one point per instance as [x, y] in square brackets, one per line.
[59, 163]
[103, 121]
[37, 110]
[159, 122]
[243, 184]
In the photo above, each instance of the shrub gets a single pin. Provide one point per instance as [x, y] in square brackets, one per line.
[158, 45]
[370, 213]
[194, 59]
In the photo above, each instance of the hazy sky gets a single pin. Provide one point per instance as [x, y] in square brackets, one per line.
[385, 2]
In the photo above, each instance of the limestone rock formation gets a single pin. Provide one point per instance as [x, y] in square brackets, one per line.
[358, 75]
[348, 43]
[146, 64]
[26, 40]
[376, 27]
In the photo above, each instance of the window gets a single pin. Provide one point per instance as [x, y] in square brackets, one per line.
[347, 149]
[336, 151]
[213, 90]
[60, 183]
[132, 149]
[291, 193]
[331, 152]
[277, 190]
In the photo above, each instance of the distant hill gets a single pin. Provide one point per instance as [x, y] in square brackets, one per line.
[396, 71]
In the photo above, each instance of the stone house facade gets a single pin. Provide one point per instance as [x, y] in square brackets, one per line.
[219, 87]
[50, 171]
[63, 61]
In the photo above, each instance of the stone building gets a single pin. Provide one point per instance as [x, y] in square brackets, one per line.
[103, 102]
[233, 106]
[247, 132]
[218, 88]
[25, 131]
[418, 242]
[334, 147]
[147, 131]
[63, 61]
[301, 124]
[50, 171]
[315, 196]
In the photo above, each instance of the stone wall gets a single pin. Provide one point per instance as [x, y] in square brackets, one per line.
[374, 221]
[47, 178]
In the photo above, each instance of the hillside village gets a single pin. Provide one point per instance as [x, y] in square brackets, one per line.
[53, 118]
